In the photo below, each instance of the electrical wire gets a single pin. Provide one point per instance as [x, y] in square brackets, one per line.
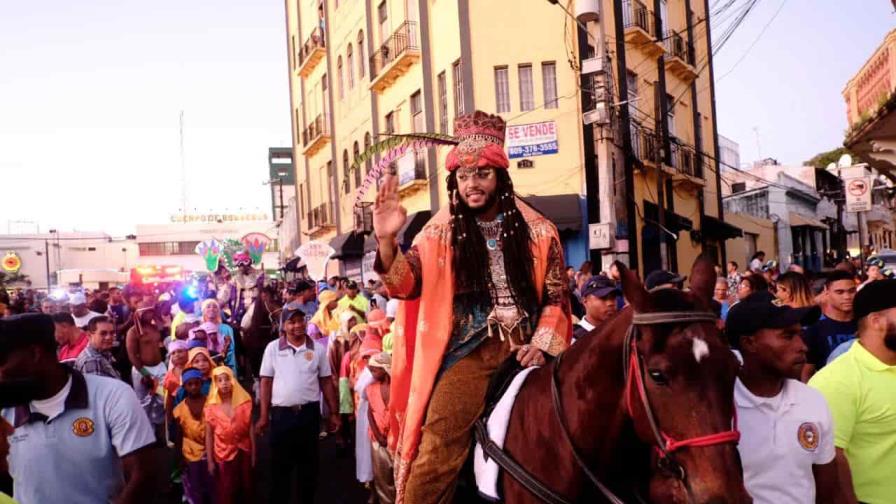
[761, 33]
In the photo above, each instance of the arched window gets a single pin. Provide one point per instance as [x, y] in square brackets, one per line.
[368, 164]
[361, 60]
[350, 67]
[357, 173]
[345, 172]
[339, 82]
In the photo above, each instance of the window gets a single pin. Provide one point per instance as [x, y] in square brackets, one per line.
[458, 88]
[549, 84]
[347, 186]
[502, 90]
[340, 85]
[631, 82]
[165, 248]
[443, 104]
[350, 67]
[417, 113]
[527, 94]
[390, 123]
[383, 13]
[362, 63]
[368, 164]
[357, 173]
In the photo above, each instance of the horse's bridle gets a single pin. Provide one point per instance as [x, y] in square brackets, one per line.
[633, 372]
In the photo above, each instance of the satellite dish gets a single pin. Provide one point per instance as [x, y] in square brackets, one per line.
[845, 161]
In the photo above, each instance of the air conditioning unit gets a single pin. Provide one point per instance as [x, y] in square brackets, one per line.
[592, 65]
[587, 10]
[599, 115]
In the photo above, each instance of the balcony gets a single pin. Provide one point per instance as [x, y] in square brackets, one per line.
[679, 57]
[395, 57]
[312, 51]
[684, 163]
[643, 144]
[321, 219]
[316, 135]
[639, 27]
[411, 173]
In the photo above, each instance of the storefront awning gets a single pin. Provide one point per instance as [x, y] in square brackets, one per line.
[564, 210]
[349, 244]
[712, 227]
[797, 220]
[405, 237]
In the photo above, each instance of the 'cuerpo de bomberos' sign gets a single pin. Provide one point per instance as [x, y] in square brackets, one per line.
[213, 217]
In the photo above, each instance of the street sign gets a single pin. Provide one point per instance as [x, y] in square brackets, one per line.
[599, 236]
[858, 193]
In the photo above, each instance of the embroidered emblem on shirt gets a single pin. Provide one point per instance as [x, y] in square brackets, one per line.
[807, 435]
[82, 427]
[309, 355]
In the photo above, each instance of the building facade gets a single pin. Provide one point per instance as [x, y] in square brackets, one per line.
[361, 70]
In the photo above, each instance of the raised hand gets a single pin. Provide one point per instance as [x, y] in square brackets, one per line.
[388, 214]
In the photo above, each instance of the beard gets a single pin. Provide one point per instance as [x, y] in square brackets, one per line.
[490, 201]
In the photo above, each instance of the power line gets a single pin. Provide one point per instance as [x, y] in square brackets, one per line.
[762, 32]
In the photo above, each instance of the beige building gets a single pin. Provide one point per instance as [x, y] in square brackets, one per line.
[360, 70]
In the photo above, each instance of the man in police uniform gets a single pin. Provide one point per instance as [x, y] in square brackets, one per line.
[78, 438]
[787, 436]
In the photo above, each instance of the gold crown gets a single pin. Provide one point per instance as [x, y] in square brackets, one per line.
[479, 124]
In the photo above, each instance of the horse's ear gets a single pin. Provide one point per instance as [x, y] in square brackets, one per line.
[703, 277]
[633, 290]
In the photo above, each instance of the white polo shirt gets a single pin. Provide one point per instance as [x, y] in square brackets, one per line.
[295, 371]
[782, 437]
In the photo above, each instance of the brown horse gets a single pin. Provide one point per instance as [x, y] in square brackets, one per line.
[626, 397]
[264, 327]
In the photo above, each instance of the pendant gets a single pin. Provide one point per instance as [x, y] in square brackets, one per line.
[492, 244]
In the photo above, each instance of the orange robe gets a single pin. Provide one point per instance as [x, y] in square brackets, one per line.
[424, 278]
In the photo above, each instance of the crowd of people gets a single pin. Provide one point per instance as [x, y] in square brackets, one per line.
[175, 372]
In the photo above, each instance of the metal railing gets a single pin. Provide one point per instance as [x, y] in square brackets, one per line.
[635, 14]
[321, 215]
[318, 127]
[684, 160]
[314, 41]
[402, 40]
[643, 143]
[677, 47]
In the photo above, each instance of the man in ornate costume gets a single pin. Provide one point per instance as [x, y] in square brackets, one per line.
[248, 282]
[484, 280]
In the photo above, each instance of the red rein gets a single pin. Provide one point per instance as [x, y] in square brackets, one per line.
[670, 445]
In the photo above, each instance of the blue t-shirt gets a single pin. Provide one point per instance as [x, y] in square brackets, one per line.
[826, 335]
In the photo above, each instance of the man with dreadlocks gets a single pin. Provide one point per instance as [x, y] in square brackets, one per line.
[484, 280]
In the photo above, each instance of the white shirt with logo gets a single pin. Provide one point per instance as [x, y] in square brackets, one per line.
[782, 437]
[295, 371]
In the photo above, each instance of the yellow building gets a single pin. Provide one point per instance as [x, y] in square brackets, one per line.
[362, 69]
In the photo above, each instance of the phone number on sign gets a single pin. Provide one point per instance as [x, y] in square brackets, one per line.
[532, 150]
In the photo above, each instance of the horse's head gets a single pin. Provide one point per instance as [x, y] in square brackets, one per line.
[682, 374]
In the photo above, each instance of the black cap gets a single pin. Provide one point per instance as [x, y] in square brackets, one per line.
[874, 297]
[599, 286]
[662, 277]
[18, 331]
[289, 312]
[758, 311]
[351, 285]
[299, 286]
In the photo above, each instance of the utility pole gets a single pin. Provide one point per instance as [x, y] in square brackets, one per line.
[659, 157]
[623, 170]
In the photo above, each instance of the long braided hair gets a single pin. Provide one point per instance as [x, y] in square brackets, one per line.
[470, 255]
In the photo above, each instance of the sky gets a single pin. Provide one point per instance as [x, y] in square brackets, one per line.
[789, 86]
[91, 93]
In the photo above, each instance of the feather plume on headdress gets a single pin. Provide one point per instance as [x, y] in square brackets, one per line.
[392, 148]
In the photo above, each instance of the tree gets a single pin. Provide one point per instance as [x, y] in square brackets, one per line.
[11, 278]
[823, 159]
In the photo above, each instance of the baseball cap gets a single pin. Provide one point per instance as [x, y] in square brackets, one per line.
[288, 313]
[599, 286]
[300, 286]
[874, 297]
[758, 311]
[662, 277]
[77, 298]
[875, 261]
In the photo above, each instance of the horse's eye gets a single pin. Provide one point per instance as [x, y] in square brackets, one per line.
[658, 377]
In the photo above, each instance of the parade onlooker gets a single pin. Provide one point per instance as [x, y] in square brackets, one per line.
[211, 314]
[294, 372]
[662, 279]
[80, 312]
[186, 311]
[78, 438]
[325, 318]
[351, 301]
[230, 437]
[750, 284]
[143, 345]
[787, 437]
[875, 266]
[303, 297]
[117, 308]
[97, 356]
[792, 289]
[720, 294]
[599, 297]
[190, 440]
[836, 326]
[757, 261]
[377, 396]
[48, 306]
[733, 277]
[859, 387]
[70, 338]
[584, 274]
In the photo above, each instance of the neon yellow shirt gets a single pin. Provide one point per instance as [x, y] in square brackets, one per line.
[360, 302]
[860, 389]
